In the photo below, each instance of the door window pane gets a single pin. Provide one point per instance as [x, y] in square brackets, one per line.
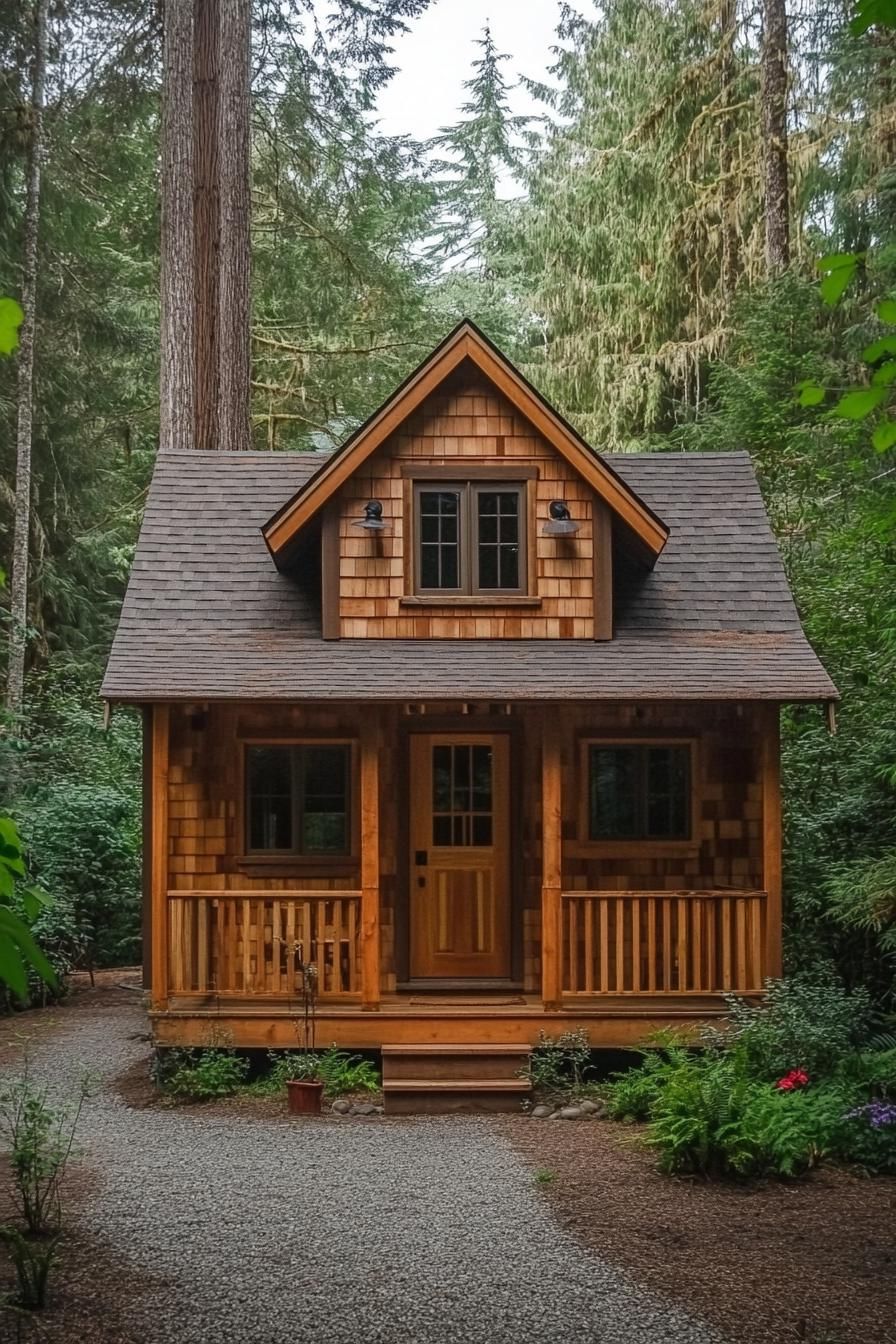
[439, 539]
[462, 794]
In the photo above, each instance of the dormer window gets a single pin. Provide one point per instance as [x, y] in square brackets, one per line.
[470, 538]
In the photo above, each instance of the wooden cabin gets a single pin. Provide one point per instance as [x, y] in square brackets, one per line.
[481, 722]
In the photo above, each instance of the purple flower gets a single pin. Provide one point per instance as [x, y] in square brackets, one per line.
[879, 1114]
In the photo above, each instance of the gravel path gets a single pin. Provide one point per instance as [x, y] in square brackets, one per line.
[261, 1231]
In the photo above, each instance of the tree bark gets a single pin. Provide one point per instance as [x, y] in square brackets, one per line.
[205, 355]
[774, 135]
[206, 216]
[15, 677]
[176, 382]
[234, 300]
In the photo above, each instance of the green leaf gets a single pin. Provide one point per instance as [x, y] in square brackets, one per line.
[9, 833]
[11, 318]
[884, 435]
[7, 884]
[810, 393]
[2, 577]
[14, 931]
[873, 12]
[859, 404]
[837, 269]
[886, 311]
[886, 345]
[12, 967]
[885, 375]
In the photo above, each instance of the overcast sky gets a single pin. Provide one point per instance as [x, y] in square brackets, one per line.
[435, 58]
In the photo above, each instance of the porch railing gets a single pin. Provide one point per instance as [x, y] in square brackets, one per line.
[246, 943]
[659, 942]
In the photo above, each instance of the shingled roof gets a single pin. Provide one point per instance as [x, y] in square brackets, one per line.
[207, 616]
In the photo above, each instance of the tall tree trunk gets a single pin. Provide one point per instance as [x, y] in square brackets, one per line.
[774, 135]
[730, 258]
[176, 384]
[234, 301]
[206, 218]
[15, 679]
[205, 225]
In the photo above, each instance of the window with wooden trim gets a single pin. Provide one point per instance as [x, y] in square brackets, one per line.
[298, 798]
[639, 791]
[470, 538]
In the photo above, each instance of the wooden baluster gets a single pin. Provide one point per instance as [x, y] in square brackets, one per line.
[620, 946]
[682, 954]
[651, 945]
[712, 963]
[247, 946]
[697, 935]
[352, 946]
[572, 910]
[667, 943]
[604, 945]
[588, 912]
[291, 948]
[726, 943]
[742, 981]
[636, 947]
[309, 952]
[202, 945]
[338, 986]
[174, 912]
[754, 913]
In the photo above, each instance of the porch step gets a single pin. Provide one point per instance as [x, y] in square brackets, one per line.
[432, 1079]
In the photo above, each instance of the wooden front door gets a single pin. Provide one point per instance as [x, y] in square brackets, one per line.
[460, 852]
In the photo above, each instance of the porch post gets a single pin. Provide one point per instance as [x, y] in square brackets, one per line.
[370, 863]
[771, 837]
[551, 859]
[157, 841]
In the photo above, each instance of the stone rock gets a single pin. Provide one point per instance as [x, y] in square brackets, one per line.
[542, 1112]
[592, 1107]
[365, 1108]
[558, 1115]
[571, 1113]
[341, 1106]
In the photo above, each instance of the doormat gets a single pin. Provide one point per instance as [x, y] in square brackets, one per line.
[457, 1001]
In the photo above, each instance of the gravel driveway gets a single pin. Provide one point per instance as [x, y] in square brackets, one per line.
[341, 1231]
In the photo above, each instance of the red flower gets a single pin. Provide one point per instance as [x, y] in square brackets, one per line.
[794, 1079]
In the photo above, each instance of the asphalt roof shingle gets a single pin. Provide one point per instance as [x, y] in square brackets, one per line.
[208, 616]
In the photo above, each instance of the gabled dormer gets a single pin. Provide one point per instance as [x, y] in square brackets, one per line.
[466, 507]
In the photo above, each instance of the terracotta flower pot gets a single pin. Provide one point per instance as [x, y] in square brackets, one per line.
[304, 1097]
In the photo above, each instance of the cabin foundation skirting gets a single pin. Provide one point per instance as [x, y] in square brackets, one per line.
[523, 924]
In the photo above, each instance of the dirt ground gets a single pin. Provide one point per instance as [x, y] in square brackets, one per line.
[811, 1260]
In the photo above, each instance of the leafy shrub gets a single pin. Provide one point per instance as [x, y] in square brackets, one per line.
[806, 1022]
[84, 845]
[40, 1135]
[32, 1260]
[631, 1094]
[560, 1064]
[711, 1118]
[202, 1075]
[339, 1071]
[866, 1136]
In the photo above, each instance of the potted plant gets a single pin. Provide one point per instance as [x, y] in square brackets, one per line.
[304, 1088]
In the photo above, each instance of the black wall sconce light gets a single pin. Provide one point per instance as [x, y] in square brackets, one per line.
[373, 517]
[560, 523]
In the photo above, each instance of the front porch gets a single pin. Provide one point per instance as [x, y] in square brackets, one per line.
[619, 963]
